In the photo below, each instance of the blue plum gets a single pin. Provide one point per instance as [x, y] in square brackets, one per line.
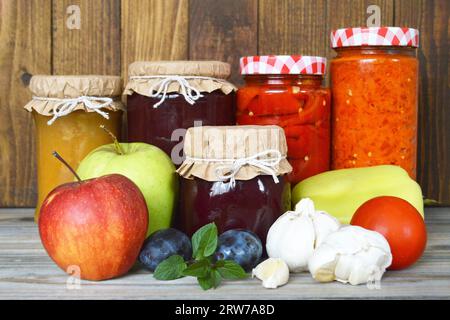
[162, 244]
[242, 246]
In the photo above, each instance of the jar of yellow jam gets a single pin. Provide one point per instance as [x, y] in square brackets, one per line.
[68, 112]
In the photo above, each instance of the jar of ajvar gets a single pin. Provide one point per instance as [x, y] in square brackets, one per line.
[68, 112]
[374, 81]
[287, 91]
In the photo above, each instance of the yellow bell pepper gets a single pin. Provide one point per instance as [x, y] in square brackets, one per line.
[341, 192]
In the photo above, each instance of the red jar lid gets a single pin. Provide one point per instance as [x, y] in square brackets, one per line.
[272, 64]
[375, 36]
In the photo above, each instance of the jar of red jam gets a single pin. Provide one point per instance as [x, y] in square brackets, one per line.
[234, 176]
[287, 91]
[164, 98]
[374, 80]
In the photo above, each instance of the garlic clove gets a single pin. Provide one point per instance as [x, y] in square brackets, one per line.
[344, 267]
[324, 224]
[369, 265]
[273, 273]
[305, 206]
[323, 263]
[291, 238]
[351, 254]
[295, 235]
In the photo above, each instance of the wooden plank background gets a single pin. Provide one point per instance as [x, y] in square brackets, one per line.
[34, 39]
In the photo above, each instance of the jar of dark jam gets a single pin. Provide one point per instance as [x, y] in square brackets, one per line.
[234, 176]
[164, 96]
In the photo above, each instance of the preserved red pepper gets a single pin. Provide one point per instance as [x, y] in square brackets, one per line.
[375, 96]
[286, 91]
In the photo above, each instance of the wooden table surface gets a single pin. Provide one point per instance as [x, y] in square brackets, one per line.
[26, 272]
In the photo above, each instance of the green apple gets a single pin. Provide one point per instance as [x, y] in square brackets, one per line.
[147, 166]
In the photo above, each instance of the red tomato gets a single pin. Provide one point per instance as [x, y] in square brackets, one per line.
[400, 223]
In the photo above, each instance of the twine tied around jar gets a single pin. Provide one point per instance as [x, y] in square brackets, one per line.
[266, 161]
[160, 88]
[67, 105]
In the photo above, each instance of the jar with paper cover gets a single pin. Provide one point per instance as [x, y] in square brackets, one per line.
[234, 176]
[164, 98]
[68, 112]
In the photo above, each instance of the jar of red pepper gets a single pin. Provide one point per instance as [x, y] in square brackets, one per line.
[287, 91]
[375, 81]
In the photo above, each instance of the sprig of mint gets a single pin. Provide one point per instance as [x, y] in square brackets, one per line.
[204, 241]
[170, 269]
[209, 274]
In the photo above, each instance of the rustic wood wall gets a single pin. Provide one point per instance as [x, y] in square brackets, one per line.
[34, 39]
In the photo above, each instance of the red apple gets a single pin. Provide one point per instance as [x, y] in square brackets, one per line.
[98, 225]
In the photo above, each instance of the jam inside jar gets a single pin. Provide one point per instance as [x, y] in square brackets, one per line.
[156, 125]
[68, 111]
[251, 204]
[164, 98]
[234, 176]
[296, 102]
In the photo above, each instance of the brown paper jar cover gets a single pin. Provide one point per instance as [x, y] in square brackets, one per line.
[203, 144]
[71, 87]
[215, 73]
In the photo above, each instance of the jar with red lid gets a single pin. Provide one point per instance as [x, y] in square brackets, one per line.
[287, 91]
[234, 176]
[374, 81]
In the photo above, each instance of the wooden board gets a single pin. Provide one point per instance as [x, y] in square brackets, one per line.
[94, 48]
[223, 30]
[26, 272]
[292, 27]
[353, 13]
[432, 20]
[25, 49]
[113, 33]
[153, 30]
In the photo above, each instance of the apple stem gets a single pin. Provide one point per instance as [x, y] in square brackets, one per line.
[117, 145]
[57, 156]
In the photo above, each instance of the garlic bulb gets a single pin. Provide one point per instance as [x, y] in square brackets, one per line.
[294, 235]
[352, 254]
[272, 272]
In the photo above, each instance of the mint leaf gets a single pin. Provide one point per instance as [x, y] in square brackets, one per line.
[204, 241]
[198, 269]
[171, 268]
[231, 270]
[212, 280]
[216, 278]
[205, 283]
[219, 263]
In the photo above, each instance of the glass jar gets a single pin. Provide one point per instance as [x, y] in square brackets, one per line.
[287, 91]
[374, 80]
[253, 204]
[222, 184]
[67, 112]
[164, 96]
